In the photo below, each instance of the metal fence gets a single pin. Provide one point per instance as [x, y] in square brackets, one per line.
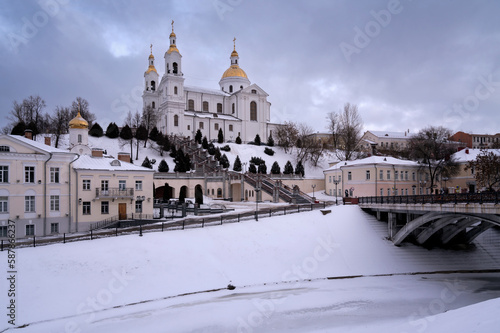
[453, 198]
[181, 224]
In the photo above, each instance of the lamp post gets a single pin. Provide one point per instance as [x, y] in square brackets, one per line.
[244, 167]
[313, 187]
[336, 182]
[257, 190]
[445, 180]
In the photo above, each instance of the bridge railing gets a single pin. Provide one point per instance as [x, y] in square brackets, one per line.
[453, 198]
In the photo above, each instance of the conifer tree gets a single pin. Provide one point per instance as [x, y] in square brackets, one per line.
[154, 134]
[163, 166]
[238, 140]
[237, 164]
[220, 136]
[112, 131]
[204, 143]
[147, 163]
[257, 140]
[252, 168]
[125, 134]
[198, 136]
[275, 169]
[224, 162]
[270, 141]
[262, 168]
[96, 131]
[288, 168]
[299, 169]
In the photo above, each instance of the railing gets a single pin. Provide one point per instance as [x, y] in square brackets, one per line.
[114, 192]
[454, 198]
[114, 219]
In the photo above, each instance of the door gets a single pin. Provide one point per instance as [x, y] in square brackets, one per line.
[122, 211]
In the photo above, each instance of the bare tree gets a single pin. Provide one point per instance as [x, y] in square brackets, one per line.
[486, 168]
[59, 122]
[149, 119]
[128, 122]
[83, 105]
[286, 135]
[349, 131]
[432, 149]
[333, 127]
[29, 111]
[136, 122]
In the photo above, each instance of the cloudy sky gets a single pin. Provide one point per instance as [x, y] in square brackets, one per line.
[406, 64]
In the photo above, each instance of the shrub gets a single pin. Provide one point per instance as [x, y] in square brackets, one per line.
[257, 141]
[275, 169]
[262, 168]
[256, 160]
[163, 166]
[225, 148]
[252, 168]
[288, 168]
[147, 163]
[269, 151]
[238, 140]
[237, 164]
[112, 131]
[96, 131]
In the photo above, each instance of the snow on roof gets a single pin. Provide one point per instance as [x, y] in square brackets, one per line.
[380, 160]
[392, 135]
[86, 162]
[210, 115]
[468, 154]
[206, 91]
[38, 145]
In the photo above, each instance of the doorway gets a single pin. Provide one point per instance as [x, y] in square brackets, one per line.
[122, 211]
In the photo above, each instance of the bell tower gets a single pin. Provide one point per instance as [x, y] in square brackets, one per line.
[150, 94]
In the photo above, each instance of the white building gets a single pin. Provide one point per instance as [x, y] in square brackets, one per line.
[238, 108]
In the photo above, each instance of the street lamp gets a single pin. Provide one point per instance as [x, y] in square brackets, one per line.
[445, 180]
[313, 186]
[336, 181]
[257, 190]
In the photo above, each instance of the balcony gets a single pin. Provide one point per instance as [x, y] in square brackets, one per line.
[114, 193]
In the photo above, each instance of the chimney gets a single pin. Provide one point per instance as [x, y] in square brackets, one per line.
[28, 134]
[466, 151]
[125, 157]
[97, 152]
[47, 140]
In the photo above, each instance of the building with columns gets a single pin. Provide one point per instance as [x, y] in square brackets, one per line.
[238, 107]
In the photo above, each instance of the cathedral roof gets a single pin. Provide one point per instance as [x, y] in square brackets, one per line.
[234, 71]
[78, 122]
[151, 68]
[173, 48]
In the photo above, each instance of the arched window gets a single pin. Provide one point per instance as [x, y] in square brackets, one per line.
[153, 85]
[174, 65]
[79, 138]
[176, 120]
[191, 105]
[232, 108]
[205, 106]
[153, 105]
[230, 88]
[175, 90]
[219, 193]
[241, 87]
[253, 111]
[219, 107]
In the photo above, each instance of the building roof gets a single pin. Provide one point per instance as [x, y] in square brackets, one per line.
[391, 135]
[78, 122]
[37, 145]
[379, 160]
[210, 115]
[206, 91]
[468, 154]
[85, 162]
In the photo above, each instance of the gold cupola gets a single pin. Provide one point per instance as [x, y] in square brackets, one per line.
[151, 67]
[78, 122]
[234, 70]
[173, 47]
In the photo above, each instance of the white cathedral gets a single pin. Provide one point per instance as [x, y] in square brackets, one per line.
[239, 108]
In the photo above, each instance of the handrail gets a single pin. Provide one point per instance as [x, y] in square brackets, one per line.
[454, 198]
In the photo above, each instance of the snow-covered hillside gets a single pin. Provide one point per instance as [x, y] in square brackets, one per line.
[245, 152]
[176, 281]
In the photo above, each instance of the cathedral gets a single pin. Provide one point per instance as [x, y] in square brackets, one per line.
[239, 108]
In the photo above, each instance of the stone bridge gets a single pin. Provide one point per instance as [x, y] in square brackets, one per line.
[435, 219]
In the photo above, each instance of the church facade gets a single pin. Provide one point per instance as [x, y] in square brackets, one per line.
[238, 108]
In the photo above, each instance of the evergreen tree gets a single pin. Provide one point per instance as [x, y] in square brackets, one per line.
[224, 162]
[125, 134]
[154, 134]
[211, 149]
[204, 143]
[262, 168]
[299, 169]
[252, 168]
[112, 131]
[237, 164]
[268, 151]
[96, 131]
[165, 142]
[187, 162]
[141, 133]
[163, 166]
[257, 140]
[220, 136]
[288, 168]
[173, 152]
[217, 154]
[275, 169]
[238, 140]
[270, 141]
[198, 136]
[19, 128]
[179, 161]
[147, 163]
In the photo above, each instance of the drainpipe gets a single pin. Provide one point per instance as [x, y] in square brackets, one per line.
[69, 191]
[394, 173]
[376, 177]
[45, 195]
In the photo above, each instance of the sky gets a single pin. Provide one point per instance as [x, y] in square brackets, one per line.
[406, 64]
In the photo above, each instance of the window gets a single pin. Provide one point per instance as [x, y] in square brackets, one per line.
[86, 184]
[29, 174]
[4, 148]
[122, 185]
[230, 89]
[4, 173]
[232, 108]
[138, 206]
[191, 105]
[406, 175]
[104, 187]
[330, 179]
[253, 111]
[388, 174]
[205, 106]
[396, 191]
[189, 127]
[54, 175]
[54, 228]
[216, 126]
[381, 192]
[54, 203]
[79, 138]
[388, 192]
[349, 175]
[4, 204]
[201, 125]
[396, 175]
[105, 207]
[230, 128]
[30, 230]
[175, 90]
[29, 203]
[86, 208]
[413, 190]
[381, 175]
[176, 120]
[138, 185]
[219, 107]
[413, 176]
[367, 174]
[153, 105]
[3, 231]
[174, 65]
[254, 91]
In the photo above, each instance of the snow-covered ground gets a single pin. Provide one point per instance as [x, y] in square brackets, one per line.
[305, 272]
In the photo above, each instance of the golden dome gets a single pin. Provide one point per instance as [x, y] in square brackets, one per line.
[78, 122]
[234, 70]
[151, 56]
[151, 68]
[234, 53]
[172, 34]
[173, 48]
